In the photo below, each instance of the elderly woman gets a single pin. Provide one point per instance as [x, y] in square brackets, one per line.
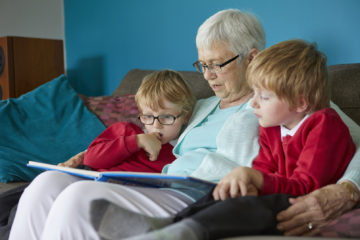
[222, 134]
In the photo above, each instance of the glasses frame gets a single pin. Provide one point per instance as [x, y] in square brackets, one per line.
[157, 117]
[198, 66]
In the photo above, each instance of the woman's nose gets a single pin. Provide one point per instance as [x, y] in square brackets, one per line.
[208, 75]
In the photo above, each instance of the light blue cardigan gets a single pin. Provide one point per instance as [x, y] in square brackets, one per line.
[237, 141]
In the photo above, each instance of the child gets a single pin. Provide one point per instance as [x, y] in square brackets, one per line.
[304, 145]
[165, 104]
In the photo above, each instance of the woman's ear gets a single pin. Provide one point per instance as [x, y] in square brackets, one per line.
[251, 54]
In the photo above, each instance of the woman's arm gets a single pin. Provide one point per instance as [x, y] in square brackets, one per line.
[237, 145]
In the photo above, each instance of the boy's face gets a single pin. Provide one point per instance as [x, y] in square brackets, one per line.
[167, 132]
[271, 111]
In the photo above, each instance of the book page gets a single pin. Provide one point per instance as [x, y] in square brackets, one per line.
[75, 171]
[153, 180]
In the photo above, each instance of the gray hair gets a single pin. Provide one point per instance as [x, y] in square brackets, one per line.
[241, 31]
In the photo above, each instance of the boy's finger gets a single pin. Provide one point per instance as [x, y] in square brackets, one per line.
[234, 189]
[216, 192]
[152, 157]
[224, 191]
[156, 134]
[243, 188]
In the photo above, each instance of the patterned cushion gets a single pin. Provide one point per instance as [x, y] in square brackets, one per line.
[112, 109]
[348, 225]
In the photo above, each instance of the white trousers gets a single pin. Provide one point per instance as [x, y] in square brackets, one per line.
[57, 206]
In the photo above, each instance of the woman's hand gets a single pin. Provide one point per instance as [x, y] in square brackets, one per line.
[74, 161]
[308, 213]
[241, 181]
[151, 144]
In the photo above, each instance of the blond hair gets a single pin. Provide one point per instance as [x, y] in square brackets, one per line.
[165, 85]
[292, 69]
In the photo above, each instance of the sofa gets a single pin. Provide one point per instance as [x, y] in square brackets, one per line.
[120, 106]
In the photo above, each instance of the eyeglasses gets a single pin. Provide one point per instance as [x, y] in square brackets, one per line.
[213, 68]
[165, 119]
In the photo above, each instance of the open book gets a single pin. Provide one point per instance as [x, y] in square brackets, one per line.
[155, 180]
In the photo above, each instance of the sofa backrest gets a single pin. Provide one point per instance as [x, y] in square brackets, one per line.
[344, 86]
[133, 78]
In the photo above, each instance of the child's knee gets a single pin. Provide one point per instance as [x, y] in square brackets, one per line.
[48, 184]
[77, 193]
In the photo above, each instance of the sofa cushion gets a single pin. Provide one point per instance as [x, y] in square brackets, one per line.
[348, 225]
[112, 109]
[49, 124]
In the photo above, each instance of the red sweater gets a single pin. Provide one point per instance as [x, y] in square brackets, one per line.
[116, 149]
[316, 155]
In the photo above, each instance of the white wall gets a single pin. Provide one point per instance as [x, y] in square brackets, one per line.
[32, 18]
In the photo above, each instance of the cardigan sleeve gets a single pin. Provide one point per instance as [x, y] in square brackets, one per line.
[237, 145]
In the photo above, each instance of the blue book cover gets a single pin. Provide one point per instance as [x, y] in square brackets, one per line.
[155, 180]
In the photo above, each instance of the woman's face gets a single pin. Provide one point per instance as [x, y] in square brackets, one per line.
[227, 84]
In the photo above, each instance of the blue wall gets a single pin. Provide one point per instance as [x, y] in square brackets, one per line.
[105, 39]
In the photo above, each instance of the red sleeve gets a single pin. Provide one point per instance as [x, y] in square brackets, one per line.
[113, 146]
[325, 149]
[265, 161]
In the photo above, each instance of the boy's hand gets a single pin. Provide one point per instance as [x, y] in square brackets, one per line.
[150, 143]
[74, 161]
[242, 181]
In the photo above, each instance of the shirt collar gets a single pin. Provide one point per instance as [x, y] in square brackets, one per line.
[285, 132]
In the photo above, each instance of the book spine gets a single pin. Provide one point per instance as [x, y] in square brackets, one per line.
[102, 178]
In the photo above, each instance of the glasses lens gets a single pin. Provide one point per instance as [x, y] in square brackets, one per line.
[198, 67]
[202, 67]
[166, 119]
[147, 119]
[214, 68]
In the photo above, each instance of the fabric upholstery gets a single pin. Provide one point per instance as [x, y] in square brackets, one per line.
[348, 225]
[49, 124]
[345, 88]
[133, 78]
[112, 109]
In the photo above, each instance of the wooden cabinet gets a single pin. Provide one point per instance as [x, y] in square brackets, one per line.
[26, 63]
